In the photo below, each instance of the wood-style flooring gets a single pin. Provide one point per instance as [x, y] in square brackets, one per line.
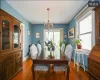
[26, 73]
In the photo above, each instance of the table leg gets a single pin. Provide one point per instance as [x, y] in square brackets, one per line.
[83, 61]
[77, 62]
[74, 58]
[79, 59]
[67, 77]
[33, 72]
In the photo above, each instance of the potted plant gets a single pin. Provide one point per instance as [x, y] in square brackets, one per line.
[78, 43]
[38, 41]
[51, 48]
[61, 42]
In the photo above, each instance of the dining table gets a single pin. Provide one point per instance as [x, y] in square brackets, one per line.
[58, 59]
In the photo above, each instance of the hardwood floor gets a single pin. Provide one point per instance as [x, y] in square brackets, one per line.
[26, 73]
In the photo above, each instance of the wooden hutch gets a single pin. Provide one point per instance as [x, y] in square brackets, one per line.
[10, 46]
[94, 57]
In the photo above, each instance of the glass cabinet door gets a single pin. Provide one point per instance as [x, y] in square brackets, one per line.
[16, 36]
[99, 27]
[6, 38]
[5, 35]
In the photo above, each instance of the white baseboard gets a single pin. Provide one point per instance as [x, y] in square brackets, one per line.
[25, 58]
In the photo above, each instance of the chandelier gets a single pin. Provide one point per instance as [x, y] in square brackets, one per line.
[48, 24]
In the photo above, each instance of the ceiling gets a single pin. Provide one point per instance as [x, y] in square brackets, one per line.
[35, 11]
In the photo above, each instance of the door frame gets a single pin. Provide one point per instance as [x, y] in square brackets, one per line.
[22, 27]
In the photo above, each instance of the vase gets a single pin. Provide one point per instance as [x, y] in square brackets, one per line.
[53, 48]
[50, 54]
[79, 46]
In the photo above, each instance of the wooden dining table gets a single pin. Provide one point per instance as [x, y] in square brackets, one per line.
[58, 59]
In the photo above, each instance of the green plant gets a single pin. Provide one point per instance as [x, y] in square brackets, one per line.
[77, 41]
[38, 41]
[61, 42]
[65, 42]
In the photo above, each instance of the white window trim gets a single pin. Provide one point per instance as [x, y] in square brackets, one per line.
[93, 25]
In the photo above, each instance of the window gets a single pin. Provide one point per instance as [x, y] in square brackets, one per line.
[85, 31]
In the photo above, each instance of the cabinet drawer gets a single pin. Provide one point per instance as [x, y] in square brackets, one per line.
[94, 71]
[18, 64]
[18, 55]
[94, 64]
[9, 59]
[8, 70]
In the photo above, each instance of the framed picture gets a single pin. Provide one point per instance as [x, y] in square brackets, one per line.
[37, 35]
[71, 33]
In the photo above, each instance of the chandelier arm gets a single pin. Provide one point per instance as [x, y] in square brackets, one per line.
[48, 24]
[48, 12]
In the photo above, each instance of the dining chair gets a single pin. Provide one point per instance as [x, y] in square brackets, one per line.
[63, 48]
[34, 55]
[39, 47]
[68, 52]
[33, 51]
[60, 68]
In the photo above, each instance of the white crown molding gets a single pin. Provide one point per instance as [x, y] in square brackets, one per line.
[81, 11]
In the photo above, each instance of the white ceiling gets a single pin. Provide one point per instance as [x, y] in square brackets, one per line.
[35, 11]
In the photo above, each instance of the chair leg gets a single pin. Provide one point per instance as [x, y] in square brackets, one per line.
[65, 74]
[83, 61]
[54, 76]
[74, 58]
[47, 74]
[67, 77]
[33, 72]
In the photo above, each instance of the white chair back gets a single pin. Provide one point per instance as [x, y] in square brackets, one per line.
[63, 48]
[33, 51]
[68, 51]
[39, 49]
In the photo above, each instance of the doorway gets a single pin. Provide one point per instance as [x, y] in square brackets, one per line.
[54, 35]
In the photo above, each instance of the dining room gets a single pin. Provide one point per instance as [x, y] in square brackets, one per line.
[49, 40]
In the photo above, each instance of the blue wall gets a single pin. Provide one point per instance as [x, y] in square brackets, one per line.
[40, 28]
[72, 24]
[28, 26]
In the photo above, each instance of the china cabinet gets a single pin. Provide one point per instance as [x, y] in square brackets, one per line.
[94, 57]
[10, 46]
[97, 19]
